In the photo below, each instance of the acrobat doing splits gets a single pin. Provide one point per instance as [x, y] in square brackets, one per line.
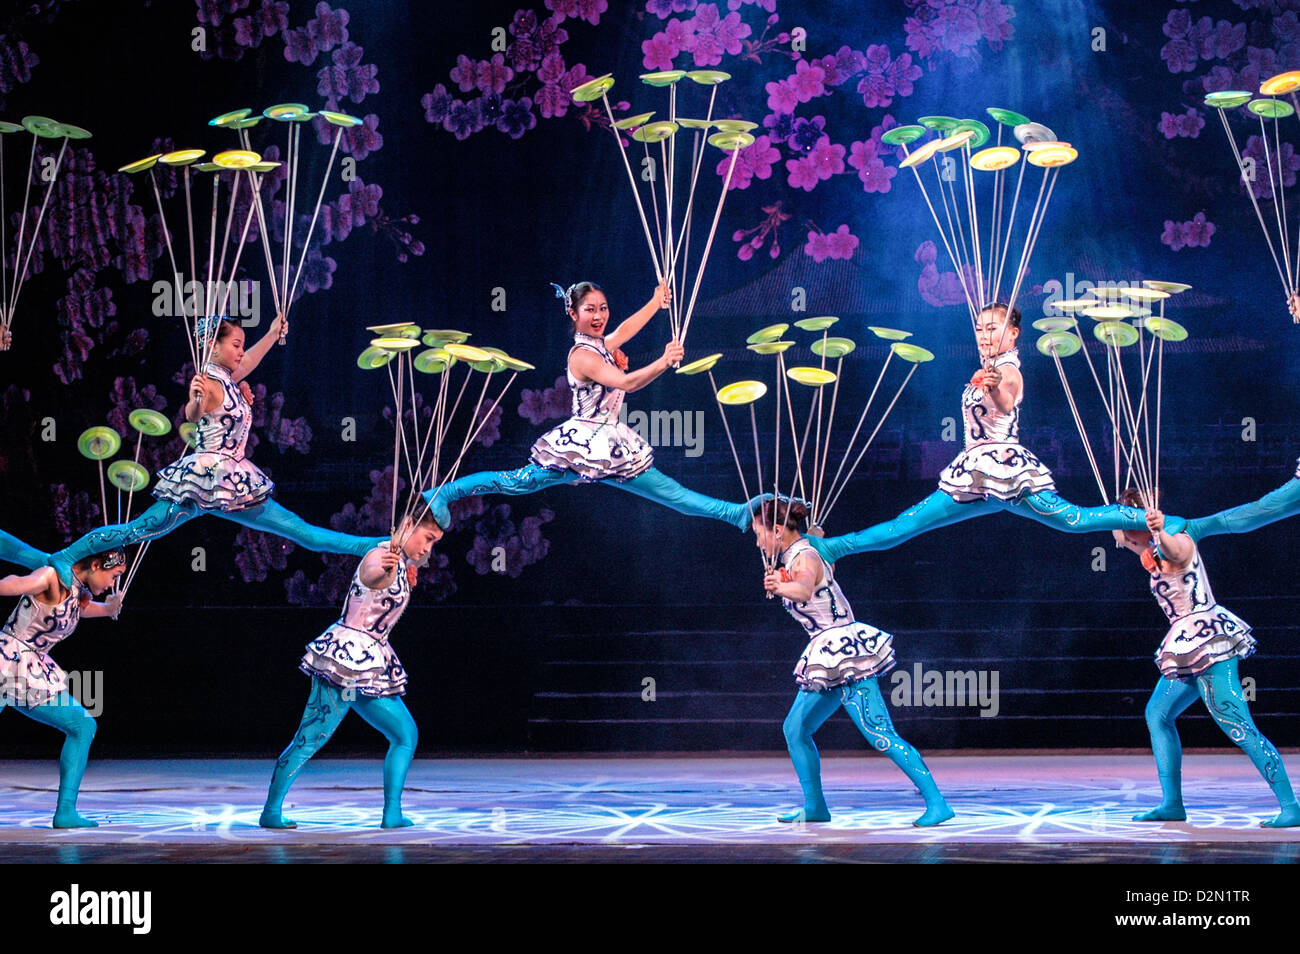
[994, 472]
[217, 478]
[593, 444]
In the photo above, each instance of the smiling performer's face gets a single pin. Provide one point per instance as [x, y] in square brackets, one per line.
[592, 314]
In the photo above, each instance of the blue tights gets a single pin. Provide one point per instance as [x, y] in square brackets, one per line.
[1273, 506]
[866, 707]
[940, 510]
[650, 484]
[326, 707]
[67, 715]
[166, 515]
[14, 550]
[1221, 690]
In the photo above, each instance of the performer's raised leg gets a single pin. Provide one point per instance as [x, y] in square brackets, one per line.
[160, 519]
[15, 551]
[272, 518]
[1273, 506]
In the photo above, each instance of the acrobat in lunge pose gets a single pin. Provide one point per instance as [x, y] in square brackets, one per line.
[353, 667]
[839, 668]
[1198, 657]
[594, 444]
[33, 683]
[994, 472]
[217, 478]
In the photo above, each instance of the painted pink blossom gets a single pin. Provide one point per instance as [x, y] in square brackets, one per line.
[802, 174]
[589, 10]
[753, 162]
[1269, 166]
[1187, 124]
[658, 52]
[808, 81]
[838, 244]
[1193, 234]
[715, 35]
[781, 97]
[827, 158]
[872, 171]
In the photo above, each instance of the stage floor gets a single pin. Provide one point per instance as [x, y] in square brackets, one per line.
[1034, 808]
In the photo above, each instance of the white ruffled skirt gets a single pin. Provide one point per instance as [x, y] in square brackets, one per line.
[594, 449]
[844, 654]
[351, 659]
[1199, 640]
[1000, 469]
[214, 482]
[28, 677]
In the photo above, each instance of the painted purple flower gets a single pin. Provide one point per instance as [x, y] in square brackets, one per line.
[214, 12]
[1220, 40]
[781, 97]
[1187, 124]
[827, 158]
[808, 81]
[539, 406]
[1193, 234]
[272, 16]
[937, 289]
[360, 141]
[488, 426]
[524, 53]
[329, 29]
[464, 73]
[462, 120]
[16, 62]
[781, 126]
[768, 5]
[753, 162]
[802, 173]
[298, 47]
[589, 10]
[714, 36]
[1268, 166]
[493, 75]
[666, 8]
[317, 273]
[437, 104]
[516, 117]
[348, 76]
[806, 134]
[956, 27]
[256, 553]
[875, 175]
[74, 514]
[841, 243]
[658, 52]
